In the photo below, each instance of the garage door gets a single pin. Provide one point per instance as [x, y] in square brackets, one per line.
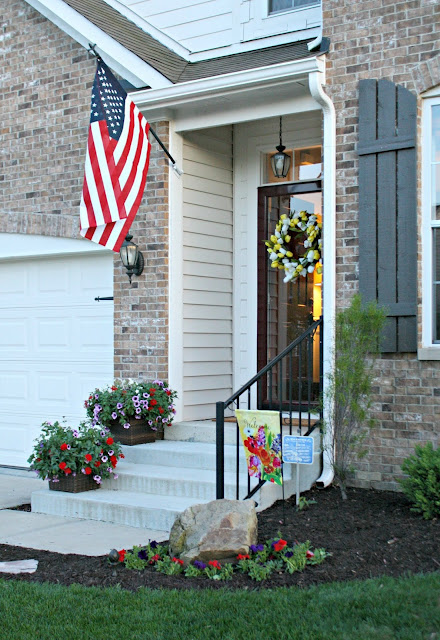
[56, 343]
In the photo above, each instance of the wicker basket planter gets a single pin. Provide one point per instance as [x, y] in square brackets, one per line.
[74, 484]
[139, 432]
[160, 433]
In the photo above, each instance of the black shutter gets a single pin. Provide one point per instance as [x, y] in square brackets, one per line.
[387, 208]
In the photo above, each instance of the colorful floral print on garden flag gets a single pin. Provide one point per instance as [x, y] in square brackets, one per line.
[261, 435]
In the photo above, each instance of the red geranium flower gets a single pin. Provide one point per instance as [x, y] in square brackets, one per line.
[114, 388]
[67, 471]
[155, 558]
[88, 470]
[153, 402]
[113, 459]
[122, 553]
[160, 410]
[168, 393]
[279, 545]
[62, 465]
[63, 446]
[152, 391]
[121, 455]
[215, 563]
[242, 556]
[177, 561]
[109, 441]
[88, 457]
[97, 463]
[310, 554]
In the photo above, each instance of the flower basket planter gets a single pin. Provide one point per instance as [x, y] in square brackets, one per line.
[74, 484]
[138, 433]
[160, 433]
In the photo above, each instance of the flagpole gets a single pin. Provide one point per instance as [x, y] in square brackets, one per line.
[176, 169]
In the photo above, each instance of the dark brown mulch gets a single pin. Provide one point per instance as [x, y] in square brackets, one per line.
[372, 534]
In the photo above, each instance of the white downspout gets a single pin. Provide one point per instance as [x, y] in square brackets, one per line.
[316, 81]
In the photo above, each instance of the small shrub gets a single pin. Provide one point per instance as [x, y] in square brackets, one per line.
[422, 486]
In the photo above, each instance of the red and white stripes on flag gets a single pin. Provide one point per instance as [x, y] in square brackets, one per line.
[116, 166]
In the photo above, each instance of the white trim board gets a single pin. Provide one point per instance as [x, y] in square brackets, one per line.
[15, 246]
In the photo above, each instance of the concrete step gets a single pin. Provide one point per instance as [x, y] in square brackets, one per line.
[198, 484]
[133, 509]
[183, 455]
[205, 430]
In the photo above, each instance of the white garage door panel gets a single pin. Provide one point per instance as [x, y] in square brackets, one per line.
[56, 344]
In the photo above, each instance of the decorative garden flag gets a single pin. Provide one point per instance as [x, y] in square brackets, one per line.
[261, 435]
[118, 153]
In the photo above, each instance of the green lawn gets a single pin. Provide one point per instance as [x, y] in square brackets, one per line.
[380, 609]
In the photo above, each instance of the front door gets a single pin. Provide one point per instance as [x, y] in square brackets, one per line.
[285, 310]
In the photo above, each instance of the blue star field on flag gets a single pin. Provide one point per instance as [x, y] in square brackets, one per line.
[108, 101]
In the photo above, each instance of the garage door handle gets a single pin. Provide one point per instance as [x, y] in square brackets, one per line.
[98, 299]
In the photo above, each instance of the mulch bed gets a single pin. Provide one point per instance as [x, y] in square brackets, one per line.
[372, 534]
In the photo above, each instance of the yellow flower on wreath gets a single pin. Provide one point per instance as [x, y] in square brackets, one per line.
[298, 223]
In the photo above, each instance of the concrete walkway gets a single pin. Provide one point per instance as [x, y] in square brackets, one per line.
[53, 533]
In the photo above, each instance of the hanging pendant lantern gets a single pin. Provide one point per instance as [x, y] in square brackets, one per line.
[280, 161]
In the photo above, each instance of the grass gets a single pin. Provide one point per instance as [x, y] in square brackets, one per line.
[379, 609]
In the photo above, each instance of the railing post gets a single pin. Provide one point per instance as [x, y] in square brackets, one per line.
[220, 450]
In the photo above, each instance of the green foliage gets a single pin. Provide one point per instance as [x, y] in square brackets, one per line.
[422, 486]
[169, 566]
[61, 450]
[350, 384]
[304, 503]
[319, 555]
[258, 571]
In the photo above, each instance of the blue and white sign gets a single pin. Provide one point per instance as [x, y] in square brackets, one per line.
[298, 449]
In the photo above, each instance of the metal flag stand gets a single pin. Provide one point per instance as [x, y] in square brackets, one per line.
[176, 169]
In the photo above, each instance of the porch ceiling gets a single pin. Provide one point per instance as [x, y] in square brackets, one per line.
[235, 97]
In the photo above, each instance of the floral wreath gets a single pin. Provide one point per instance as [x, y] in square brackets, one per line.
[298, 223]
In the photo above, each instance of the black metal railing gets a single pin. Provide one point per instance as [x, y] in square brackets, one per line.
[291, 383]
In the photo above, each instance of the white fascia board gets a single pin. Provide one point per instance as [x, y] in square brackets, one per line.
[122, 61]
[216, 86]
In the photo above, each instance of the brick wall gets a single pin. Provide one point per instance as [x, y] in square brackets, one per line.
[399, 41]
[46, 82]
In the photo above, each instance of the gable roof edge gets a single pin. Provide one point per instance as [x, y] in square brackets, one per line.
[125, 63]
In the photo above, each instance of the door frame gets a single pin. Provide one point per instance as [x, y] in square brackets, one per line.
[293, 188]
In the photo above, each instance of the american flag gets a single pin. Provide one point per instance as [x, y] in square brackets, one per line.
[118, 153]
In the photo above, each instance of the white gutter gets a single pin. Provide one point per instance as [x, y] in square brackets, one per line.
[227, 83]
[125, 63]
[316, 81]
[316, 43]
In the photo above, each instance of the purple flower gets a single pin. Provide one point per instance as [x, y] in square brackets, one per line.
[199, 565]
[114, 415]
[41, 445]
[96, 396]
[136, 404]
[68, 447]
[138, 410]
[142, 554]
[288, 554]
[109, 469]
[115, 476]
[164, 419]
[83, 470]
[119, 405]
[75, 433]
[111, 452]
[127, 425]
[255, 548]
[159, 382]
[104, 459]
[153, 544]
[150, 422]
[103, 433]
[135, 398]
[146, 395]
[97, 479]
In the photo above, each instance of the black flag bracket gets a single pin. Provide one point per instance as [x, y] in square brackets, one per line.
[177, 171]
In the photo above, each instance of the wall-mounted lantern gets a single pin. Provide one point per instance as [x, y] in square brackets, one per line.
[280, 161]
[131, 257]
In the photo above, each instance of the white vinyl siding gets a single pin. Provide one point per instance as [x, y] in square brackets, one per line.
[207, 271]
[197, 26]
[206, 25]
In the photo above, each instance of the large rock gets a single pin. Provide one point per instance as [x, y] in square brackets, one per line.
[218, 530]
